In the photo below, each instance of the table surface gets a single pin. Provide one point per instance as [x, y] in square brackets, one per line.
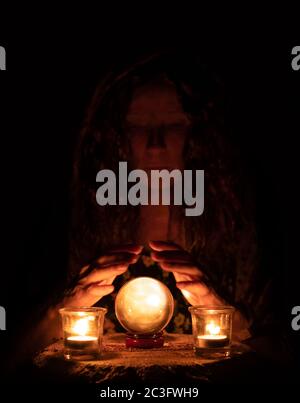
[175, 361]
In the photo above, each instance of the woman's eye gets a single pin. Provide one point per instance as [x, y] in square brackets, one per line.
[135, 130]
[176, 127]
[167, 129]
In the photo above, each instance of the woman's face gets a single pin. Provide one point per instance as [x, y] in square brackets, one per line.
[156, 126]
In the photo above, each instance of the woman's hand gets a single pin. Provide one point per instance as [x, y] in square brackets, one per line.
[96, 279]
[189, 278]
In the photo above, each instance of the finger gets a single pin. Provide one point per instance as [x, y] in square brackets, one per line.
[94, 292]
[183, 277]
[130, 248]
[99, 290]
[108, 281]
[191, 298]
[115, 258]
[187, 294]
[84, 269]
[194, 287]
[197, 293]
[171, 256]
[105, 273]
[186, 268]
[160, 246]
[88, 296]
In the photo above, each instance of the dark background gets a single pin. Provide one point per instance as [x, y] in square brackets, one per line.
[49, 80]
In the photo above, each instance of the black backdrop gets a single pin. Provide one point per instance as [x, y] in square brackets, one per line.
[49, 80]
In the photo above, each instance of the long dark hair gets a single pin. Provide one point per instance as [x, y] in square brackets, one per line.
[223, 238]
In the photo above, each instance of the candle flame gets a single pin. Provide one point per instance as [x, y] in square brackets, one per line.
[212, 329]
[81, 327]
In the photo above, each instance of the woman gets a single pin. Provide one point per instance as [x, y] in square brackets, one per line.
[166, 111]
[162, 113]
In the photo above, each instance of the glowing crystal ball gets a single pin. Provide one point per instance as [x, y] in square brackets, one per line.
[144, 306]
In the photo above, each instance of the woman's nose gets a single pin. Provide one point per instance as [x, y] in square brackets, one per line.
[156, 138]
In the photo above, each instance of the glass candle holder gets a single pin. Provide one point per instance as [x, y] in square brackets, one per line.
[83, 332]
[144, 306]
[212, 329]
